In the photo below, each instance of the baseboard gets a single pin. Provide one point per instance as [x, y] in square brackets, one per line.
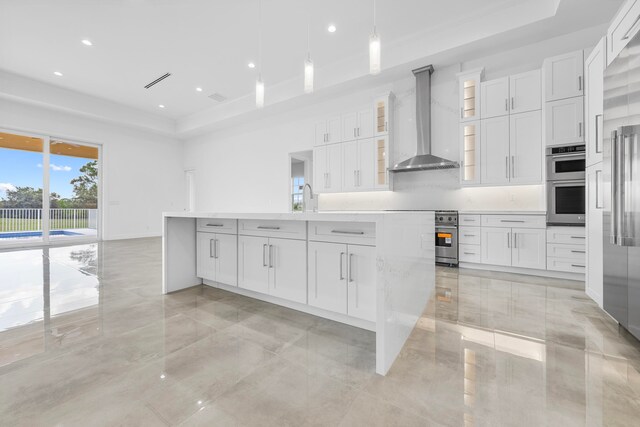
[337, 317]
[594, 296]
[527, 271]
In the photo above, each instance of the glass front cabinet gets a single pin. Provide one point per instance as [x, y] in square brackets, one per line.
[382, 114]
[469, 94]
[470, 153]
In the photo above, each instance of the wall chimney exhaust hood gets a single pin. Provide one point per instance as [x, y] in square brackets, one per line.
[423, 160]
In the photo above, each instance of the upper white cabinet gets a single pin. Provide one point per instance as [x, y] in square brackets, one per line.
[565, 121]
[494, 98]
[328, 131]
[525, 92]
[622, 29]
[469, 94]
[564, 76]
[525, 147]
[594, 102]
[217, 257]
[470, 152]
[361, 161]
[494, 150]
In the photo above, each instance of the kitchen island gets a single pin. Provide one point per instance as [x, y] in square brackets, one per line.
[373, 270]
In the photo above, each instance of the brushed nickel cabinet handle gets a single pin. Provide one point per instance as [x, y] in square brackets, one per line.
[577, 265]
[268, 227]
[511, 220]
[264, 255]
[341, 256]
[351, 271]
[211, 254]
[270, 256]
[578, 237]
[579, 82]
[506, 104]
[347, 232]
[512, 102]
[578, 252]
[215, 225]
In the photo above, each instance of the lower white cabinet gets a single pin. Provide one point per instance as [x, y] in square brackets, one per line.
[217, 257]
[273, 266]
[594, 231]
[342, 279]
[327, 167]
[566, 249]
[514, 247]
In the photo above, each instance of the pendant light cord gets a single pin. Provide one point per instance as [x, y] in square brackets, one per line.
[374, 16]
[260, 39]
[308, 25]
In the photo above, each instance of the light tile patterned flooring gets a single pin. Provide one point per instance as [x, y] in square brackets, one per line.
[87, 339]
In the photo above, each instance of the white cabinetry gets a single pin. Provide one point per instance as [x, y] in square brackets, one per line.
[494, 150]
[525, 146]
[623, 28]
[217, 257]
[469, 94]
[496, 246]
[566, 249]
[358, 164]
[594, 102]
[563, 76]
[383, 114]
[327, 167]
[357, 125]
[594, 233]
[565, 121]
[494, 98]
[328, 131]
[525, 91]
[470, 152]
[273, 266]
[342, 278]
[528, 248]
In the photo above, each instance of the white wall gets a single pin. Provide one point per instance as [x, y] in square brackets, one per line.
[245, 168]
[142, 172]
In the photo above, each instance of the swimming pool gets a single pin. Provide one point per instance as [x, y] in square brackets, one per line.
[21, 234]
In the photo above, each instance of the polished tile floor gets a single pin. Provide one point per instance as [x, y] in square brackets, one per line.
[86, 339]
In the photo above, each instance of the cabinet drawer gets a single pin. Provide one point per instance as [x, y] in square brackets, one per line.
[361, 233]
[565, 264]
[622, 29]
[467, 219]
[519, 221]
[217, 225]
[469, 236]
[566, 235]
[469, 253]
[273, 228]
[558, 250]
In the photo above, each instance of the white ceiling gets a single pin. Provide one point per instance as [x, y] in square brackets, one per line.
[208, 43]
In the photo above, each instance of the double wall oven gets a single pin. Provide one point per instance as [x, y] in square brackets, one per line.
[566, 185]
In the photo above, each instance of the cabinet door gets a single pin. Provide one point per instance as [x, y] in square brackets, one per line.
[366, 171]
[253, 264]
[595, 252]
[594, 102]
[381, 116]
[623, 28]
[526, 147]
[469, 92]
[470, 152]
[349, 126]
[334, 130]
[327, 276]
[288, 269]
[494, 99]
[526, 92]
[564, 76]
[381, 164]
[494, 150]
[361, 277]
[350, 165]
[529, 248]
[206, 262]
[365, 123]
[227, 259]
[321, 133]
[495, 246]
[565, 121]
[334, 168]
[320, 179]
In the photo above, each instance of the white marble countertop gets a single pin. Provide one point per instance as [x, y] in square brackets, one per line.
[353, 216]
[462, 212]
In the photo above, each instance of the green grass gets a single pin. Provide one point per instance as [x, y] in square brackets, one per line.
[7, 224]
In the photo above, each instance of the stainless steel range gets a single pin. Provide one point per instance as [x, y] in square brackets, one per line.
[447, 237]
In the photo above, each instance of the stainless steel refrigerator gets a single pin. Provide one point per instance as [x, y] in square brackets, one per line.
[621, 177]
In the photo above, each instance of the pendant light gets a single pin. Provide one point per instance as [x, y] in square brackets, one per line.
[374, 47]
[259, 82]
[308, 63]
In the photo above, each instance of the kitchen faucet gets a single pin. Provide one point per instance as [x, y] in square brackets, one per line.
[304, 200]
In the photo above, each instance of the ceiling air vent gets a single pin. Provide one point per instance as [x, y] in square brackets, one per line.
[218, 97]
[158, 80]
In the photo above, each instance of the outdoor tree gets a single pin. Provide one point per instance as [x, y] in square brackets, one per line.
[27, 197]
[85, 187]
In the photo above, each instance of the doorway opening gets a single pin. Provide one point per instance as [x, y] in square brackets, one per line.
[301, 173]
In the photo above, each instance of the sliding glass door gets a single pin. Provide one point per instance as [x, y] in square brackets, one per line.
[49, 190]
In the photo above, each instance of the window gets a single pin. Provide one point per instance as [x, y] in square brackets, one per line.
[297, 193]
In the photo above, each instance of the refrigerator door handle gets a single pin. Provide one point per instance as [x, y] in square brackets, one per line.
[615, 187]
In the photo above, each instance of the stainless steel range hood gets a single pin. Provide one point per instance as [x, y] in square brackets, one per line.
[423, 160]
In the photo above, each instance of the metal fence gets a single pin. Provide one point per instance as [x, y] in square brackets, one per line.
[30, 219]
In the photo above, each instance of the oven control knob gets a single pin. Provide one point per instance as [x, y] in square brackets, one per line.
[449, 218]
[440, 218]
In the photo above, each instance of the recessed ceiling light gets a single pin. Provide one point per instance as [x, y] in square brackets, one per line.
[161, 106]
[87, 42]
[331, 28]
[199, 89]
[251, 65]
[57, 73]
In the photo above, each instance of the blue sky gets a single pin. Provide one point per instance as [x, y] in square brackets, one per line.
[24, 168]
